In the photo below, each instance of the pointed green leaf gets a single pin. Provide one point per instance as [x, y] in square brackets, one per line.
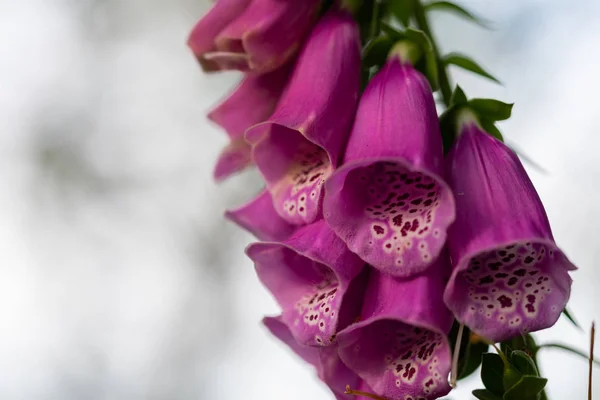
[484, 394]
[567, 314]
[448, 127]
[491, 128]
[458, 97]
[527, 388]
[456, 9]
[524, 363]
[428, 63]
[376, 51]
[467, 63]
[492, 371]
[402, 10]
[568, 349]
[491, 109]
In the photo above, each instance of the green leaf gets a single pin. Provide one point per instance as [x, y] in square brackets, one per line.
[448, 127]
[567, 314]
[492, 371]
[524, 363]
[428, 63]
[393, 33]
[483, 394]
[376, 51]
[492, 109]
[472, 359]
[489, 126]
[511, 377]
[527, 388]
[456, 9]
[568, 349]
[401, 9]
[458, 97]
[468, 64]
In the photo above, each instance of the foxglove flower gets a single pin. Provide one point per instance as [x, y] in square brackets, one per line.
[388, 201]
[509, 276]
[252, 102]
[259, 218]
[309, 275]
[399, 348]
[251, 35]
[330, 369]
[298, 147]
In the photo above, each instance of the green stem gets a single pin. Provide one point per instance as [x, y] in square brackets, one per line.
[444, 79]
[375, 25]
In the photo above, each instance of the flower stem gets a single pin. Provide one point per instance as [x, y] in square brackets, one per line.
[444, 79]
[375, 19]
[364, 394]
[593, 334]
[454, 371]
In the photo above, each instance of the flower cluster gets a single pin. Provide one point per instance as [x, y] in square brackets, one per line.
[373, 240]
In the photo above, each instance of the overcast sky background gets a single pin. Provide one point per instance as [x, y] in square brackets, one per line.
[119, 277]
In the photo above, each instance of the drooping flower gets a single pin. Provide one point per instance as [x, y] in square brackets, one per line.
[252, 102]
[298, 147]
[388, 201]
[509, 276]
[330, 369]
[259, 218]
[399, 347]
[251, 35]
[311, 275]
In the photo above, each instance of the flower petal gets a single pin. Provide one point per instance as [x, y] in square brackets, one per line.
[298, 147]
[388, 201]
[399, 347]
[233, 159]
[267, 34]
[259, 218]
[309, 275]
[330, 368]
[510, 277]
[252, 102]
[204, 33]
[280, 330]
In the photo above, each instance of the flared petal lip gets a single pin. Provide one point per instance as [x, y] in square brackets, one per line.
[257, 133]
[334, 186]
[349, 166]
[258, 246]
[463, 264]
[221, 172]
[406, 321]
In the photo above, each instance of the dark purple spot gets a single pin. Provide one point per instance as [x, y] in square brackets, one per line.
[505, 301]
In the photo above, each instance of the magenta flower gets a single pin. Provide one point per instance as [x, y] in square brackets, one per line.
[298, 147]
[388, 202]
[330, 369]
[251, 35]
[259, 218]
[309, 275]
[509, 277]
[399, 347]
[252, 102]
